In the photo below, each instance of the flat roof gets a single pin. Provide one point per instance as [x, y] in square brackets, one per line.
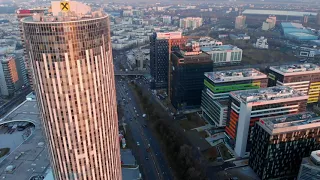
[220, 48]
[316, 156]
[289, 123]
[127, 157]
[234, 75]
[302, 34]
[296, 69]
[34, 161]
[268, 95]
[131, 173]
[276, 12]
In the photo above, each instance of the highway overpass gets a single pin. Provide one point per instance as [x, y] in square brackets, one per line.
[130, 73]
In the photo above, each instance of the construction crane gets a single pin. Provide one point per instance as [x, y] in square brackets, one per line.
[181, 43]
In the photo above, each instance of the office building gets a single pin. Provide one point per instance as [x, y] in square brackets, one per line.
[71, 56]
[217, 85]
[159, 56]
[280, 143]
[248, 106]
[302, 77]
[8, 76]
[240, 22]
[224, 54]
[187, 78]
[190, 23]
[310, 167]
[22, 13]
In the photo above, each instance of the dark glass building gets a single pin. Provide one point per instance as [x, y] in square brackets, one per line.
[187, 78]
[281, 142]
[159, 56]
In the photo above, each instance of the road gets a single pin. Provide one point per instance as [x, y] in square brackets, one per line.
[155, 167]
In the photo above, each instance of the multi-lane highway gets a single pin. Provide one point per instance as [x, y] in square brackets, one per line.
[152, 161]
[146, 147]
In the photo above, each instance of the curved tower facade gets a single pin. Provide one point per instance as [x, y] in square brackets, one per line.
[71, 58]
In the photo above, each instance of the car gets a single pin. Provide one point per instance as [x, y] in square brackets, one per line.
[147, 158]
[134, 108]
[137, 115]
[138, 144]
[144, 115]
[144, 125]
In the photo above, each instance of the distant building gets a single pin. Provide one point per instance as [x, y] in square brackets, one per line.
[190, 22]
[8, 76]
[262, 43]
[159, 56]
[308, 52]
[208, 42]
[270, 23]
[22, 13]
[318, 18]
[240, 22]
[239, 37]
[281, 142]
[310, 167]
[298, 32]
[218, 85]
[166, 20]
[224, 54]
[248, 106]
[187, 78]
[281, 15]
[302, 77]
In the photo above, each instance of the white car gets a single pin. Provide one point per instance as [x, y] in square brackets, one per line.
[144, 115]
[138, 144]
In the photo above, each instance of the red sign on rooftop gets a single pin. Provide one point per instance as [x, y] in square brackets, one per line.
[23, 11]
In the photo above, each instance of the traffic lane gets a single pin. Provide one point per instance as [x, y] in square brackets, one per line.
[160, 157]
[146, 164]
[152, 153]
[166, 173]
[138, 137]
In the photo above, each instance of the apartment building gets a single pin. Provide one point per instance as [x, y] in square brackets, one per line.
[218, 85]
[248, 106]
[191, 22]
[280, 143]
[302, 77]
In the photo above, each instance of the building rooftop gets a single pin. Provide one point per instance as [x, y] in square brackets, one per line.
[276, 12]
[65, 12]
[131, 173]
[296, 69]
[220, 48]
[32, 154]
[315, 156]
[268, 95]
[127, 157]
[234, 75]
[291, 122]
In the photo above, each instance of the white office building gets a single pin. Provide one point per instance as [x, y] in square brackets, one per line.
[224, 54]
